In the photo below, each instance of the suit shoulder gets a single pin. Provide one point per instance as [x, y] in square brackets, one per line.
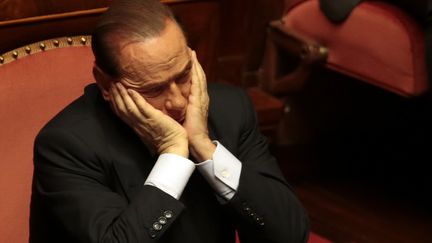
[77, 117]
[77, 111]
[226, 96]
[230, 107]
[223, 88]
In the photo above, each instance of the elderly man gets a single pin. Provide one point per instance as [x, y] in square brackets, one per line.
[149, 154]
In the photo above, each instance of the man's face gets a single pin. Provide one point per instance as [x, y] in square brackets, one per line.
[159, 69]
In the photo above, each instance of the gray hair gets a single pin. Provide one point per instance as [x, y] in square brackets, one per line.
[127, 21]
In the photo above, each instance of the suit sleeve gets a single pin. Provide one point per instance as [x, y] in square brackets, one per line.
[267, 209]
[74, 185]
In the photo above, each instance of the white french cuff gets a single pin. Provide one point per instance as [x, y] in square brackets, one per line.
[222, 172]
[171, 173]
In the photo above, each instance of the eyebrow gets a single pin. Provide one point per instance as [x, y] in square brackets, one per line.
[186, 69]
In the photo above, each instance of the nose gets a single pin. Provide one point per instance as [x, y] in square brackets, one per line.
[175, 102]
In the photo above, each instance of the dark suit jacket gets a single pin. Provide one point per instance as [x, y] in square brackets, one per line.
[90, 168]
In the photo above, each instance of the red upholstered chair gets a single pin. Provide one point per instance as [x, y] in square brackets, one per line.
[378, 44]
[33, 89]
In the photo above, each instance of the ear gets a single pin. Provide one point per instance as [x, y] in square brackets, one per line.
[103, 81]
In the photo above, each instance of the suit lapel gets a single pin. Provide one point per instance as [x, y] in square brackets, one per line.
[130, 159]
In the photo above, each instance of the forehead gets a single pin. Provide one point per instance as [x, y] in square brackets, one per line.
[157, 58]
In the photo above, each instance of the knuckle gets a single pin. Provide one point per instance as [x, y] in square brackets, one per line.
[129, 109]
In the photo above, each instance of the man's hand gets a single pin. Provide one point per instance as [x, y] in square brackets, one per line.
[157, 130]
[195, 122]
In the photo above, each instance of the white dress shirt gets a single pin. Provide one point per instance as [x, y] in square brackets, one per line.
[171, 173]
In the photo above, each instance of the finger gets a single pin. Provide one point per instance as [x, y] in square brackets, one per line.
[130, 107]
[200, 74]
[195, 89]
[112, 103]
[116, 100]
[143, 106]
[194, 67]
[200, 78]
[202, 94]
[118, 105]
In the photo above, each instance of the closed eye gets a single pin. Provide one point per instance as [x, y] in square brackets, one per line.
[184, 78]
[153, 92]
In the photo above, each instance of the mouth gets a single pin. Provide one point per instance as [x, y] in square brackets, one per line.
[178, 116]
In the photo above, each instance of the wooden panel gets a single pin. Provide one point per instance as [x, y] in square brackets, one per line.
[61, 6]
[25, 31]
[243, 31]
[201, 22]
[262, 12]
[201, 28]
[242, 28]
[232, 40]
[15, 9]
[18, 9]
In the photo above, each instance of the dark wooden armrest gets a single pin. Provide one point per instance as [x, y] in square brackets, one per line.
[288, 59]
